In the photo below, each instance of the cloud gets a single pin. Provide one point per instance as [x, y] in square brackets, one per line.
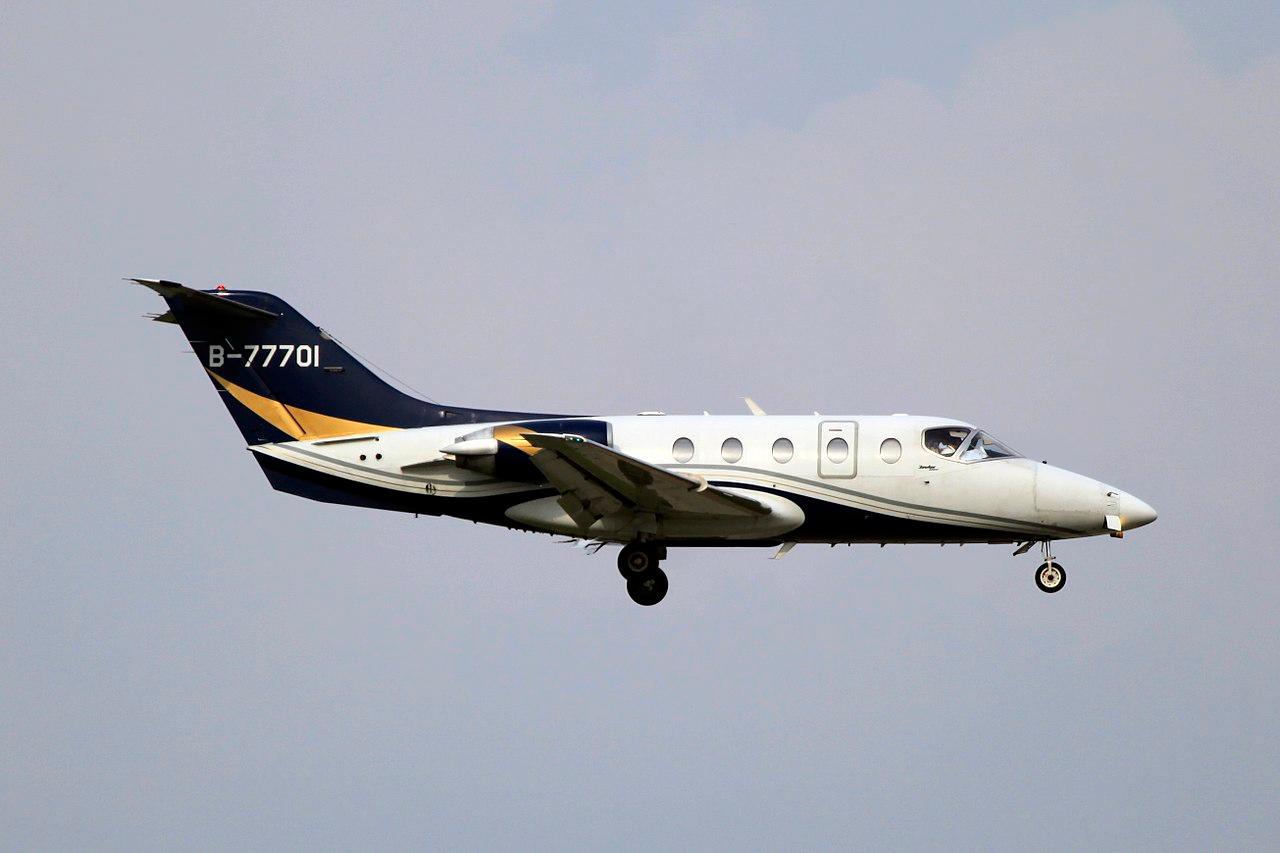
[1083, 181]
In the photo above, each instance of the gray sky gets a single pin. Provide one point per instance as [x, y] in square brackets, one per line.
[1056, 220]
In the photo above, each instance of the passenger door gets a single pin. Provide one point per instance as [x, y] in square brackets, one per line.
[838, 449]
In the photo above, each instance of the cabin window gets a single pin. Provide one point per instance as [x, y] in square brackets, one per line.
[731, 450]
[945, 441]
[783, 450]
[837, 450]
[890, 450]
[682, 450]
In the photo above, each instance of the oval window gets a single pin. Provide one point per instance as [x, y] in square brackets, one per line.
[731, 450]
[682, 450]
[837, 450]
[891, 450]
[783, 450]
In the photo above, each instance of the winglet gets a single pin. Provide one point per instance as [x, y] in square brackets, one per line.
[753, 406]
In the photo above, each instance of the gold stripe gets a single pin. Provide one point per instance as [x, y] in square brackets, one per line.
[299, 424]
[514, 436]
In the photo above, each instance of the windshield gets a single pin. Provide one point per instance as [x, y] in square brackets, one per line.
[965, 444]
[982, 446]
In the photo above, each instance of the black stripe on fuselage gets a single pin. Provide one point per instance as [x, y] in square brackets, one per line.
[801, 482]
[825, 521]
[829, 522]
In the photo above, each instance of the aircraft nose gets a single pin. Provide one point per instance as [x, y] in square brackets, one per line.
[1135, 512]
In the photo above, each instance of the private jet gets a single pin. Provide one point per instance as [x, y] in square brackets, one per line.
[324, 426]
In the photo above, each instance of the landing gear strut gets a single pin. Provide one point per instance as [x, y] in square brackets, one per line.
[1050, 577]
[638, 563]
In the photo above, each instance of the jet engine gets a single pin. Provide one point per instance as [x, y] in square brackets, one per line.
[503, 453]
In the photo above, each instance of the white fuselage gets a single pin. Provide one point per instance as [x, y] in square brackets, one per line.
[818, 489]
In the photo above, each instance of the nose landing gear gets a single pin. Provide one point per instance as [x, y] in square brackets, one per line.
[638, 563]
[1050, 577]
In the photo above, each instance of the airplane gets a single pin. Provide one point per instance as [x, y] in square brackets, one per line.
[324, 426]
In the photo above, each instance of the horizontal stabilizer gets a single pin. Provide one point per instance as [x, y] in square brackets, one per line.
[203, 300]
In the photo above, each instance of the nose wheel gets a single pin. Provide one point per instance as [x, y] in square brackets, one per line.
[1050, 577]
[638, 563]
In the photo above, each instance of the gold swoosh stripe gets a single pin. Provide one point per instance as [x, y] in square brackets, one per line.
[300, 424]
[514, 436]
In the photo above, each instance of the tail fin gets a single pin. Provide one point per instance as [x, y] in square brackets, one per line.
[283, 378]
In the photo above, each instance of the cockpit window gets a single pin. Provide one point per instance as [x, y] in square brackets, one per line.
[946, 441]
[965, 445]
[982, 446]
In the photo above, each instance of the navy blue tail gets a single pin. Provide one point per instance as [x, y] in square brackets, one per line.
[283, 378]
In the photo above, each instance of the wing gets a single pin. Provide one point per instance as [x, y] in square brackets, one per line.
[596, 481]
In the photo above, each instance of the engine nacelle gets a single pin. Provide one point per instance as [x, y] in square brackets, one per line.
[502, 451]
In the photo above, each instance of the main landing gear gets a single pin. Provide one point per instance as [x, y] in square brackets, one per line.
[1050, 577]
[638, 563]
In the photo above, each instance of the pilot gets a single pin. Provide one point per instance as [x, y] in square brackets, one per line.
[945, 448]
[977, 450]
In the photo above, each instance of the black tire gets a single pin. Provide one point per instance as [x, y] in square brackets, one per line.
[649, 588]
[1051, 577]
[636, 559]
